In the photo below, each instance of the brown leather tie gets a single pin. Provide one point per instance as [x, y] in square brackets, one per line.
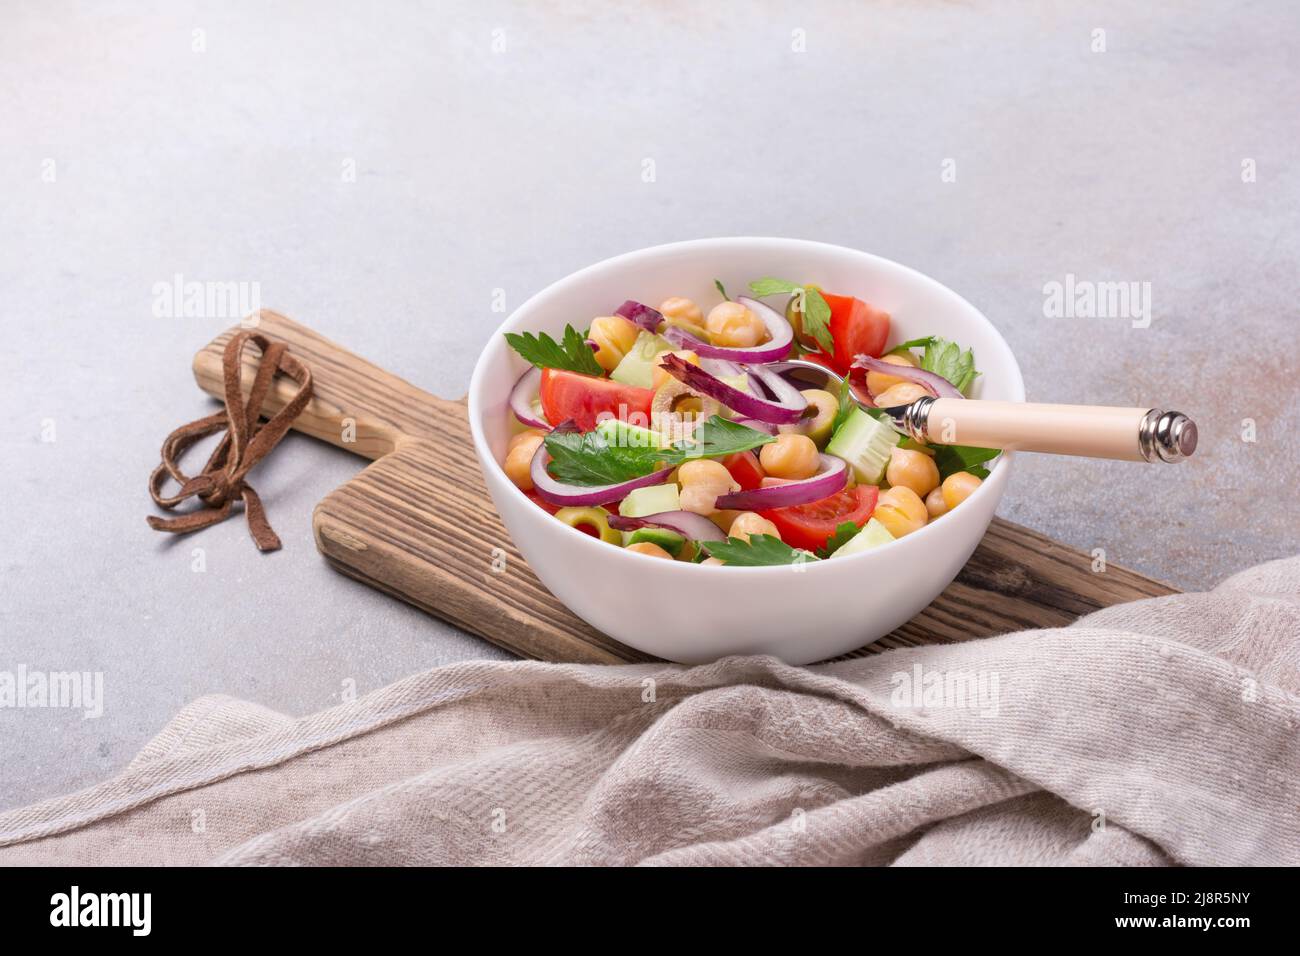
[245, 443]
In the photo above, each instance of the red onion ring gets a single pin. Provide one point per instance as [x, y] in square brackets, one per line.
[785, 394]
[779, 332]
[686, 523]
[640, 315]
[787, 409]
[559, 493]
[721, 367]
[936, 384]
[521, 399]
[830, 478]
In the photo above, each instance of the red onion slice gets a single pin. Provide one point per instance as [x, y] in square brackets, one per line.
[686, 523]
[521, 399]
[640, 315]
[559, 493]
[830, 478]
[935, 384]
[785, 394]
[779, 333]
[787, 409]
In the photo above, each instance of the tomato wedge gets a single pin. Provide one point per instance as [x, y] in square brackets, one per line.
[541, 502]
[810, 526]
[857, 328]
[745, 469]
[586, 399]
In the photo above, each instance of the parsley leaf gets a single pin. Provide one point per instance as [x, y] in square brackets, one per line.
[717, 284]
[589, 458]
[769, 286]
[843, 532]
[574, 355]
[947, 359]
[954, 458]
[760, 550]
[718, 437]
[816, 319]
[847, 404]
[816, 311]
[911, 344]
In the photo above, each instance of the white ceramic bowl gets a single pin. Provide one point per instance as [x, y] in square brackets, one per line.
[694, 613]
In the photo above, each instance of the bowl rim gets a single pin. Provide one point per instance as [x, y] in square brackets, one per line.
[993, 485]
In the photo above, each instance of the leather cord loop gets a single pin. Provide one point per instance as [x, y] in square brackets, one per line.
[246, 442]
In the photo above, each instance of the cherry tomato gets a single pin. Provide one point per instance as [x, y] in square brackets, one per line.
[584, 398]
[810, 526]
[857, 328]
[745, 469]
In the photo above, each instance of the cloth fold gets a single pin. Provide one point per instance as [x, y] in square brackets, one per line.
[1159, 732]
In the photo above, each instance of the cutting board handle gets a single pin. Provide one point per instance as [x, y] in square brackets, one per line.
[355, 404]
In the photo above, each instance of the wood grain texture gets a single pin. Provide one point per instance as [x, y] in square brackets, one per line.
[417, 523]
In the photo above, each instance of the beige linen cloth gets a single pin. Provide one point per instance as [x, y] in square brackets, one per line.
[1165, 731]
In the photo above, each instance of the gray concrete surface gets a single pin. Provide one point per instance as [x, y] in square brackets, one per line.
[500, 146]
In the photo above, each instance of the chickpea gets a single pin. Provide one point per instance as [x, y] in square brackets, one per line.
[660, 375]
[705, 471]
[615, 335]
[935, 504]
[790, 456]
[901, 511]
[682, 312]
[912, 469]
[904, 394]
[527, 435]
[878, 382]
[519, 459]
[650, 548]
[724, 518]
[703, 480]
[713, 561]
[749, 522]
[732, 325]
[957, 487]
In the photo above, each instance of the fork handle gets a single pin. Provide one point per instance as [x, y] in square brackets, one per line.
[1091, 431]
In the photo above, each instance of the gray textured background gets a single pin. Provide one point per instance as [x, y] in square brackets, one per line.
[478, 170]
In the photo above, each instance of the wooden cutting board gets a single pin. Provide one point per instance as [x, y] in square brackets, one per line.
[418, 524]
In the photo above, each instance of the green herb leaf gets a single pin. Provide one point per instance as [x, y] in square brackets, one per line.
[717, 283]
[847, 404]
[843, 532]
[816, 319]
[951, 459]
[716, 438]
[911, 344]
[574, 355]
[759, 551]
[590, 459]
[770, 286]
[815, 309]
[947, 359]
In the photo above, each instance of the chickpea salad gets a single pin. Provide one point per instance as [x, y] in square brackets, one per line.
[748, 436]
